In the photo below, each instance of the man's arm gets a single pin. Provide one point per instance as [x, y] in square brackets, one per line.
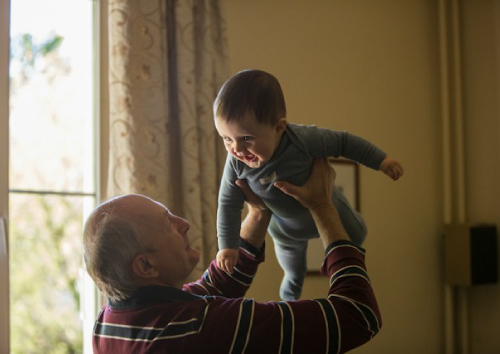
[215, 281]
[345, 319]
[254, 226]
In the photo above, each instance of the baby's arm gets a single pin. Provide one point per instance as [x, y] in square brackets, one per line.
[227, 259]
[356, 148]
[391, 168]
[230, 206]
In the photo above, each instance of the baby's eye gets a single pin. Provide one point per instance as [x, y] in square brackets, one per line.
[247, 138]
[226, 138]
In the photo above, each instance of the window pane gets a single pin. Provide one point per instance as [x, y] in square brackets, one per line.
[45, 267]
[51, 149]
[50, 94]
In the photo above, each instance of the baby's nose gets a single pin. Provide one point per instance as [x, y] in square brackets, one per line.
[238, 147]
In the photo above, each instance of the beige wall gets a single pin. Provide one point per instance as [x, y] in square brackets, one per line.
[481, 48]
[373, 69]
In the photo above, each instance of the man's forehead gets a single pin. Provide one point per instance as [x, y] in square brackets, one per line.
[142, 211]
[135, 205]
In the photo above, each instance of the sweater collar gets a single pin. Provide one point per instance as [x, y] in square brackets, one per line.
[153, 293]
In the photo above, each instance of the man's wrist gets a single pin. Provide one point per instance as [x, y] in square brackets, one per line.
[328, 223]
[254, 227]
[250, 248]
[259, 214]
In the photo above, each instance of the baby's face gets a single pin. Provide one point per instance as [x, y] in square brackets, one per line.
[250, 141]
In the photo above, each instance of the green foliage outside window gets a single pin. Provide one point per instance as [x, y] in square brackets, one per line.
[45, 234]
[46, 251]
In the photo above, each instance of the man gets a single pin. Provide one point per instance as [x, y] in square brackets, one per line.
[139, 255]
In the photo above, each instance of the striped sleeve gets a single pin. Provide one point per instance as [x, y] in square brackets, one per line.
[333, 338]
[367, 313]
[345, 319]
[349, 271]
[351, 293]
[215, 281]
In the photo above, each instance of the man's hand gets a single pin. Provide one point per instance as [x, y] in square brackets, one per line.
[316, 195]
[251, 198]
[226, 259]
[317, 191]
[254, 227]
[391, 168]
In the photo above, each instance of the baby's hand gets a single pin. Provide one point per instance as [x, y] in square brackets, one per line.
[226, 259]
[391, 168]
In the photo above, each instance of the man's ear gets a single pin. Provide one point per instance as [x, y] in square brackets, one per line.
[143, 268]
[281, 125]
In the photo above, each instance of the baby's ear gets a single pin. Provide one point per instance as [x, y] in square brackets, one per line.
[281, 125]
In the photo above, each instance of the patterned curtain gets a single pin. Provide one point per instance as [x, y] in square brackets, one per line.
[167, 60]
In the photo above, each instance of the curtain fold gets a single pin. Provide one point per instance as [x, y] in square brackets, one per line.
[167, 61]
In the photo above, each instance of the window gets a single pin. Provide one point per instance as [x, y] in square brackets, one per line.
[51, 172]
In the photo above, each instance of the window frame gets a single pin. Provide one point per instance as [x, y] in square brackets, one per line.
[4, 177]
[101, 144]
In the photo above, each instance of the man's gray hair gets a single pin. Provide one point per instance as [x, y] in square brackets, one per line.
[110, 244]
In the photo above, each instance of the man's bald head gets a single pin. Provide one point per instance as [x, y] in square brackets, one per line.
[112, 238]
[132, 241]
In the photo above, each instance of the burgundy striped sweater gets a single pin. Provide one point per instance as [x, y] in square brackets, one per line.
[212, 316]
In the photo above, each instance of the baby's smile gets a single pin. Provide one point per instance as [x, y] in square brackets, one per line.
[248, 158]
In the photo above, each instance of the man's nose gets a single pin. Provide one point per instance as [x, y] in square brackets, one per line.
[184, 225]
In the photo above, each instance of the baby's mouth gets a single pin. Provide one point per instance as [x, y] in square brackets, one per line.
[248, 158]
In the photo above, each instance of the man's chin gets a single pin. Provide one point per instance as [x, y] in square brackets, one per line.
[194, 255]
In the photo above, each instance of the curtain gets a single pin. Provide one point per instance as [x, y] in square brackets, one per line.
[167, 59]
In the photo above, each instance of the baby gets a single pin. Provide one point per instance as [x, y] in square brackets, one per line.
[263, 148]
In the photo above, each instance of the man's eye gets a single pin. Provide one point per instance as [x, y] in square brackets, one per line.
[247, 138]
[226, 138]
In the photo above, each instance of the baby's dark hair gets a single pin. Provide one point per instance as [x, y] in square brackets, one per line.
[252, 91]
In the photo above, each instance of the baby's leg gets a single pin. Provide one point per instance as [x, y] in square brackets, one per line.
[291, 256]
[351, 220]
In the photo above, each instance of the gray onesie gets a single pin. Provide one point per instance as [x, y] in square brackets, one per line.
[291, 224]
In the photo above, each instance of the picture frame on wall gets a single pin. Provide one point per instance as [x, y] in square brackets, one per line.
[347, 180]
